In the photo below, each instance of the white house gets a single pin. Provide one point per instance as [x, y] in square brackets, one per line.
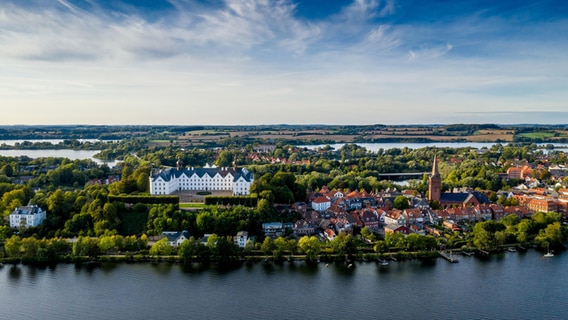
[321, 203]
[171, 180]
[176, 237]
[241, 239]
[27, 216]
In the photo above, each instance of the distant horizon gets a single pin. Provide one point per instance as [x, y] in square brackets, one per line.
[233, 62]
[282, 124]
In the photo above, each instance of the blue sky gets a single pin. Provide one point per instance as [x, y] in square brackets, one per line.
[184, 62]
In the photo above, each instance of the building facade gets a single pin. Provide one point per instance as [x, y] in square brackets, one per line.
[27, 216]
[171, 180]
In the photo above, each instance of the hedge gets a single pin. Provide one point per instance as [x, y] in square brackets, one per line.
[247, 201]
[145, 199]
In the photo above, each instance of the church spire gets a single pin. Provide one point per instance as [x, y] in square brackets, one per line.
[435, 183]
[435, 172]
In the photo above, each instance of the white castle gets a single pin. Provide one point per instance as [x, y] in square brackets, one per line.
[209, 178]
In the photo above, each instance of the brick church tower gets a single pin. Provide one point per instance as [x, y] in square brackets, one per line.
[435, 183]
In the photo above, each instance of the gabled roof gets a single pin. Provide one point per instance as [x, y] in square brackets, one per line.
[463, 197]
[170, 173]
[175, 235]
[27, 210]
[321, 200]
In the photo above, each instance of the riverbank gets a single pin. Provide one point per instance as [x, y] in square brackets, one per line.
[449, 255]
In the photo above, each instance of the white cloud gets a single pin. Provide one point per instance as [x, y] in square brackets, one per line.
[222, 65]
[430, 52]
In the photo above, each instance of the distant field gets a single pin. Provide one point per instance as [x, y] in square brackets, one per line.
[343, 135]
[537, 135]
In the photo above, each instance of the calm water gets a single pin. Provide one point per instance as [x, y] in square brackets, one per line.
[52, 141]
[508, 286]
[374, 147]
[56, 153]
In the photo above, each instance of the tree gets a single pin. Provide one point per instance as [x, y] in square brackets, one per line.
[401, 203]
[189, 249]
[368, 234]
[13, 199]
[161, 248]
[30, 248]
[5, 232]
[7, 170]
[267, 246]
[13, 246]
[381, 247]
[344, 244]
[396, 240]
[552, 235]
[310, 246]
[482, 238]
[85, 246]
[416, 242]
[280, 245]
[106, 242]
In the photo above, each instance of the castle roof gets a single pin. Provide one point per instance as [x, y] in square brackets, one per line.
[171, 173]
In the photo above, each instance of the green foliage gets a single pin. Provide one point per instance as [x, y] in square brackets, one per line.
[267, 246]
[368, 234]
[247, 201]
[401, 203]
[282, 185]
[344, 244]
[144, 199]
[162, 218]
[192, 249]
[310, 246]
[86, 246]
[161, 248]
[13, 246]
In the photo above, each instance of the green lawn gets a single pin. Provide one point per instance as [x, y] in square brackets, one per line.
[537, 135]
[192, 205]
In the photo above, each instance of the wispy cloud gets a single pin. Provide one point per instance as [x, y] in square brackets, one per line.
[430, 52]
[227, 59]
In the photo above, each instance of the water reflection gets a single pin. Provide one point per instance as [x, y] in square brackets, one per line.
[162, 268]
[14, 272]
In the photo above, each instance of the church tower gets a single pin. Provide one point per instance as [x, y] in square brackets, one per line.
[435, 183]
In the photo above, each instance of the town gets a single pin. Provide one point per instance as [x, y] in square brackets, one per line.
[277, 201]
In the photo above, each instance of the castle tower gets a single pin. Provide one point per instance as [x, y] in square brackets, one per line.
[179, 164]
[435, 183]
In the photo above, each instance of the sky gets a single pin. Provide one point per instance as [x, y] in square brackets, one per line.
[248, 62]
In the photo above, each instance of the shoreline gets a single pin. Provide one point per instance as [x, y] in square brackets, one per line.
[453, 257]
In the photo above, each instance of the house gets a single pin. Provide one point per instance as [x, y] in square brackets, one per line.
[414, 215]
[394, 228]
[273, 229]
[171, 180]
[542, 205]
[241, 239]
[321, 203]
[27, 216]
[176, 237]
[451, 225]
[329, 234]
[370, 219]
[304, 228]
[514, 173]
[395, 216]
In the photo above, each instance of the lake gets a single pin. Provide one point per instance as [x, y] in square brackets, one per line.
[52, 141]
[506, 286]
[374, 147]
[56, 153]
